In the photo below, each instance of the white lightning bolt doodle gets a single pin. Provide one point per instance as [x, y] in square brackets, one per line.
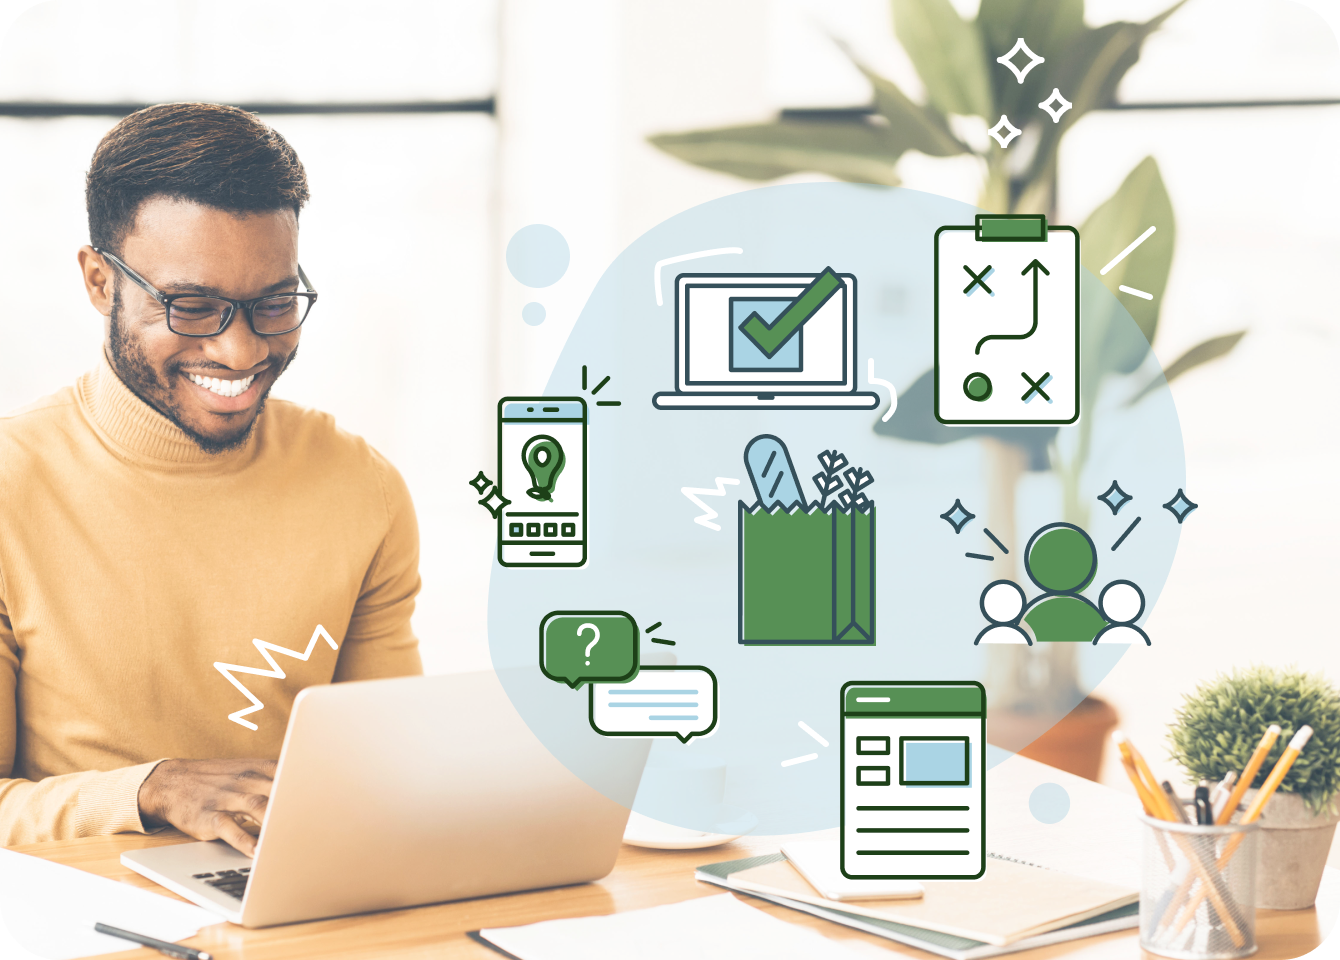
[693, 493]
[275, 671]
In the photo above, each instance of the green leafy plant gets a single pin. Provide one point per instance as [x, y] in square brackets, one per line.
[1220, 724]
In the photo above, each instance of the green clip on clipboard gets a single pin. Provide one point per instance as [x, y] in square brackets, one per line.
[1007, 322]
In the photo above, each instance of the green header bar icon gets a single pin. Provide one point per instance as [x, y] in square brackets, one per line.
[924, 699]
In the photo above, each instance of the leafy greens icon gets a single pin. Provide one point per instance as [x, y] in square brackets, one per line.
[829, 481]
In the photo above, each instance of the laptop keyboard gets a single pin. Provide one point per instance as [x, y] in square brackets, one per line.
[231, 882]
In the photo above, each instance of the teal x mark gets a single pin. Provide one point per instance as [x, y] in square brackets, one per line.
[771, 338]
[977, 280]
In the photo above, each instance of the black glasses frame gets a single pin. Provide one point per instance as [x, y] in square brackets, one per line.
[246, 306]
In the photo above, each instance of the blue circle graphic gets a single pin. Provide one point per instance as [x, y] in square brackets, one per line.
[533, 313]
[668, 490]
[537, 255]
[1049, 803]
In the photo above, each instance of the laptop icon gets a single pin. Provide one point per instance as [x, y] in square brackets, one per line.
[785, 341]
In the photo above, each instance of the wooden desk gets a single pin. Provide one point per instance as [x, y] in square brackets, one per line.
[641, 878]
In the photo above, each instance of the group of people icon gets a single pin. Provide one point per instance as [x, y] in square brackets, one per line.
[1062, 560]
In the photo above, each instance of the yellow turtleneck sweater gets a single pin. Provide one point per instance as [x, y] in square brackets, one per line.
[131, 562]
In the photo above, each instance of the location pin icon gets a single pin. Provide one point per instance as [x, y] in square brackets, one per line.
[543, 458]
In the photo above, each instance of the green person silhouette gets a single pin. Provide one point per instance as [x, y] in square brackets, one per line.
[1062, 560]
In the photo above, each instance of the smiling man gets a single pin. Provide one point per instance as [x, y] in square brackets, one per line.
[178, 556]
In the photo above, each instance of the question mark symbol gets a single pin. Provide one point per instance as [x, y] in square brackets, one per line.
[594, 629]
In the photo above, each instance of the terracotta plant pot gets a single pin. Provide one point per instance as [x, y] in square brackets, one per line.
[1074, 743]
[1291, 853]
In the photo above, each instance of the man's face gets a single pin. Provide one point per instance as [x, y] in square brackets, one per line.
[182, 247]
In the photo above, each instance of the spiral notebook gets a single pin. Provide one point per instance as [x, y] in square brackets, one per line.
[1093, 849]
[957, 923]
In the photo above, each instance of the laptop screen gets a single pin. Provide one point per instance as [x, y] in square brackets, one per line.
[719, 347]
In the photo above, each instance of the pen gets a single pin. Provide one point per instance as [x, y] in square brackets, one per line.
[1176, 802]
[1204, 814]
[1263, 795]
[162, 946]
[1230, 804]
[1163, 810]
[1220, 795]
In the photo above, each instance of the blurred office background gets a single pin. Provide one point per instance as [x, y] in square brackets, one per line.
[432, 130]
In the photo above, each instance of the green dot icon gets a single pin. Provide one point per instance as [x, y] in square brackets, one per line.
[977, 386]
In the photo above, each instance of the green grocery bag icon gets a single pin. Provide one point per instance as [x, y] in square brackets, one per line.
[806, 568]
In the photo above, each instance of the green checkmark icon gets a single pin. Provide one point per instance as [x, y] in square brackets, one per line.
[770, 339]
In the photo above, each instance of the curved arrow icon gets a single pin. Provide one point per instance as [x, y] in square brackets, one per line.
[1035, 266]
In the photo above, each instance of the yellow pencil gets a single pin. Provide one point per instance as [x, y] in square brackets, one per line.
[1249, 772]
[1278, 774]
[1145, 800]
[1149, 812]
[1161, 800]
[1263, 796]
[1165, 811]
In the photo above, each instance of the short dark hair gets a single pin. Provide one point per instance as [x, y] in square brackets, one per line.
[205, 153]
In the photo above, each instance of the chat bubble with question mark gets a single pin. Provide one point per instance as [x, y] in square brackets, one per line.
[660, 702]
[581, 646]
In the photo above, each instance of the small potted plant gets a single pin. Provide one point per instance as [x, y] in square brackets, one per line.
[1216, 730]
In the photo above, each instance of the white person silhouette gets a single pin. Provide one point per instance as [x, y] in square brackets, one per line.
[1003, 604]
[1121, 604]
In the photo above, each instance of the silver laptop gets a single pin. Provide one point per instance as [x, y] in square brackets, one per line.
[393, 793]
[806, 363]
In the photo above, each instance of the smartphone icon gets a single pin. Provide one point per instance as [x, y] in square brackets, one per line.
[542, 470]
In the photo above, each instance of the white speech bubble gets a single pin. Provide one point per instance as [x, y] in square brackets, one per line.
[659, 702]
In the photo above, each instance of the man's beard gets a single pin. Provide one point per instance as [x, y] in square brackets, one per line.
[135, 371]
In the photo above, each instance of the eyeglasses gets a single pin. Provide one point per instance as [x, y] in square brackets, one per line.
[192, 315]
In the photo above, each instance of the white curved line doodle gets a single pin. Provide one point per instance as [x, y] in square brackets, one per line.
[874, 381]
[656, 273]
[275, 671]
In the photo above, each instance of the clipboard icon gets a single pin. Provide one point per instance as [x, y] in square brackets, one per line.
[1007, 322]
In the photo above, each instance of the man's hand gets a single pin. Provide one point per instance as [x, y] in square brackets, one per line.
[205, 798]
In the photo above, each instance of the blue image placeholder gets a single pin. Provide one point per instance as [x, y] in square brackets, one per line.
[935, 762]
[745, 354]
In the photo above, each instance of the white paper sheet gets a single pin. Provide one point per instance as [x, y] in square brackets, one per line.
[1099, 837]
[817, 861]
[47, 911]
[708, 928]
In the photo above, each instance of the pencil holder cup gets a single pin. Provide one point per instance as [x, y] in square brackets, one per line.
[1198, 890]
